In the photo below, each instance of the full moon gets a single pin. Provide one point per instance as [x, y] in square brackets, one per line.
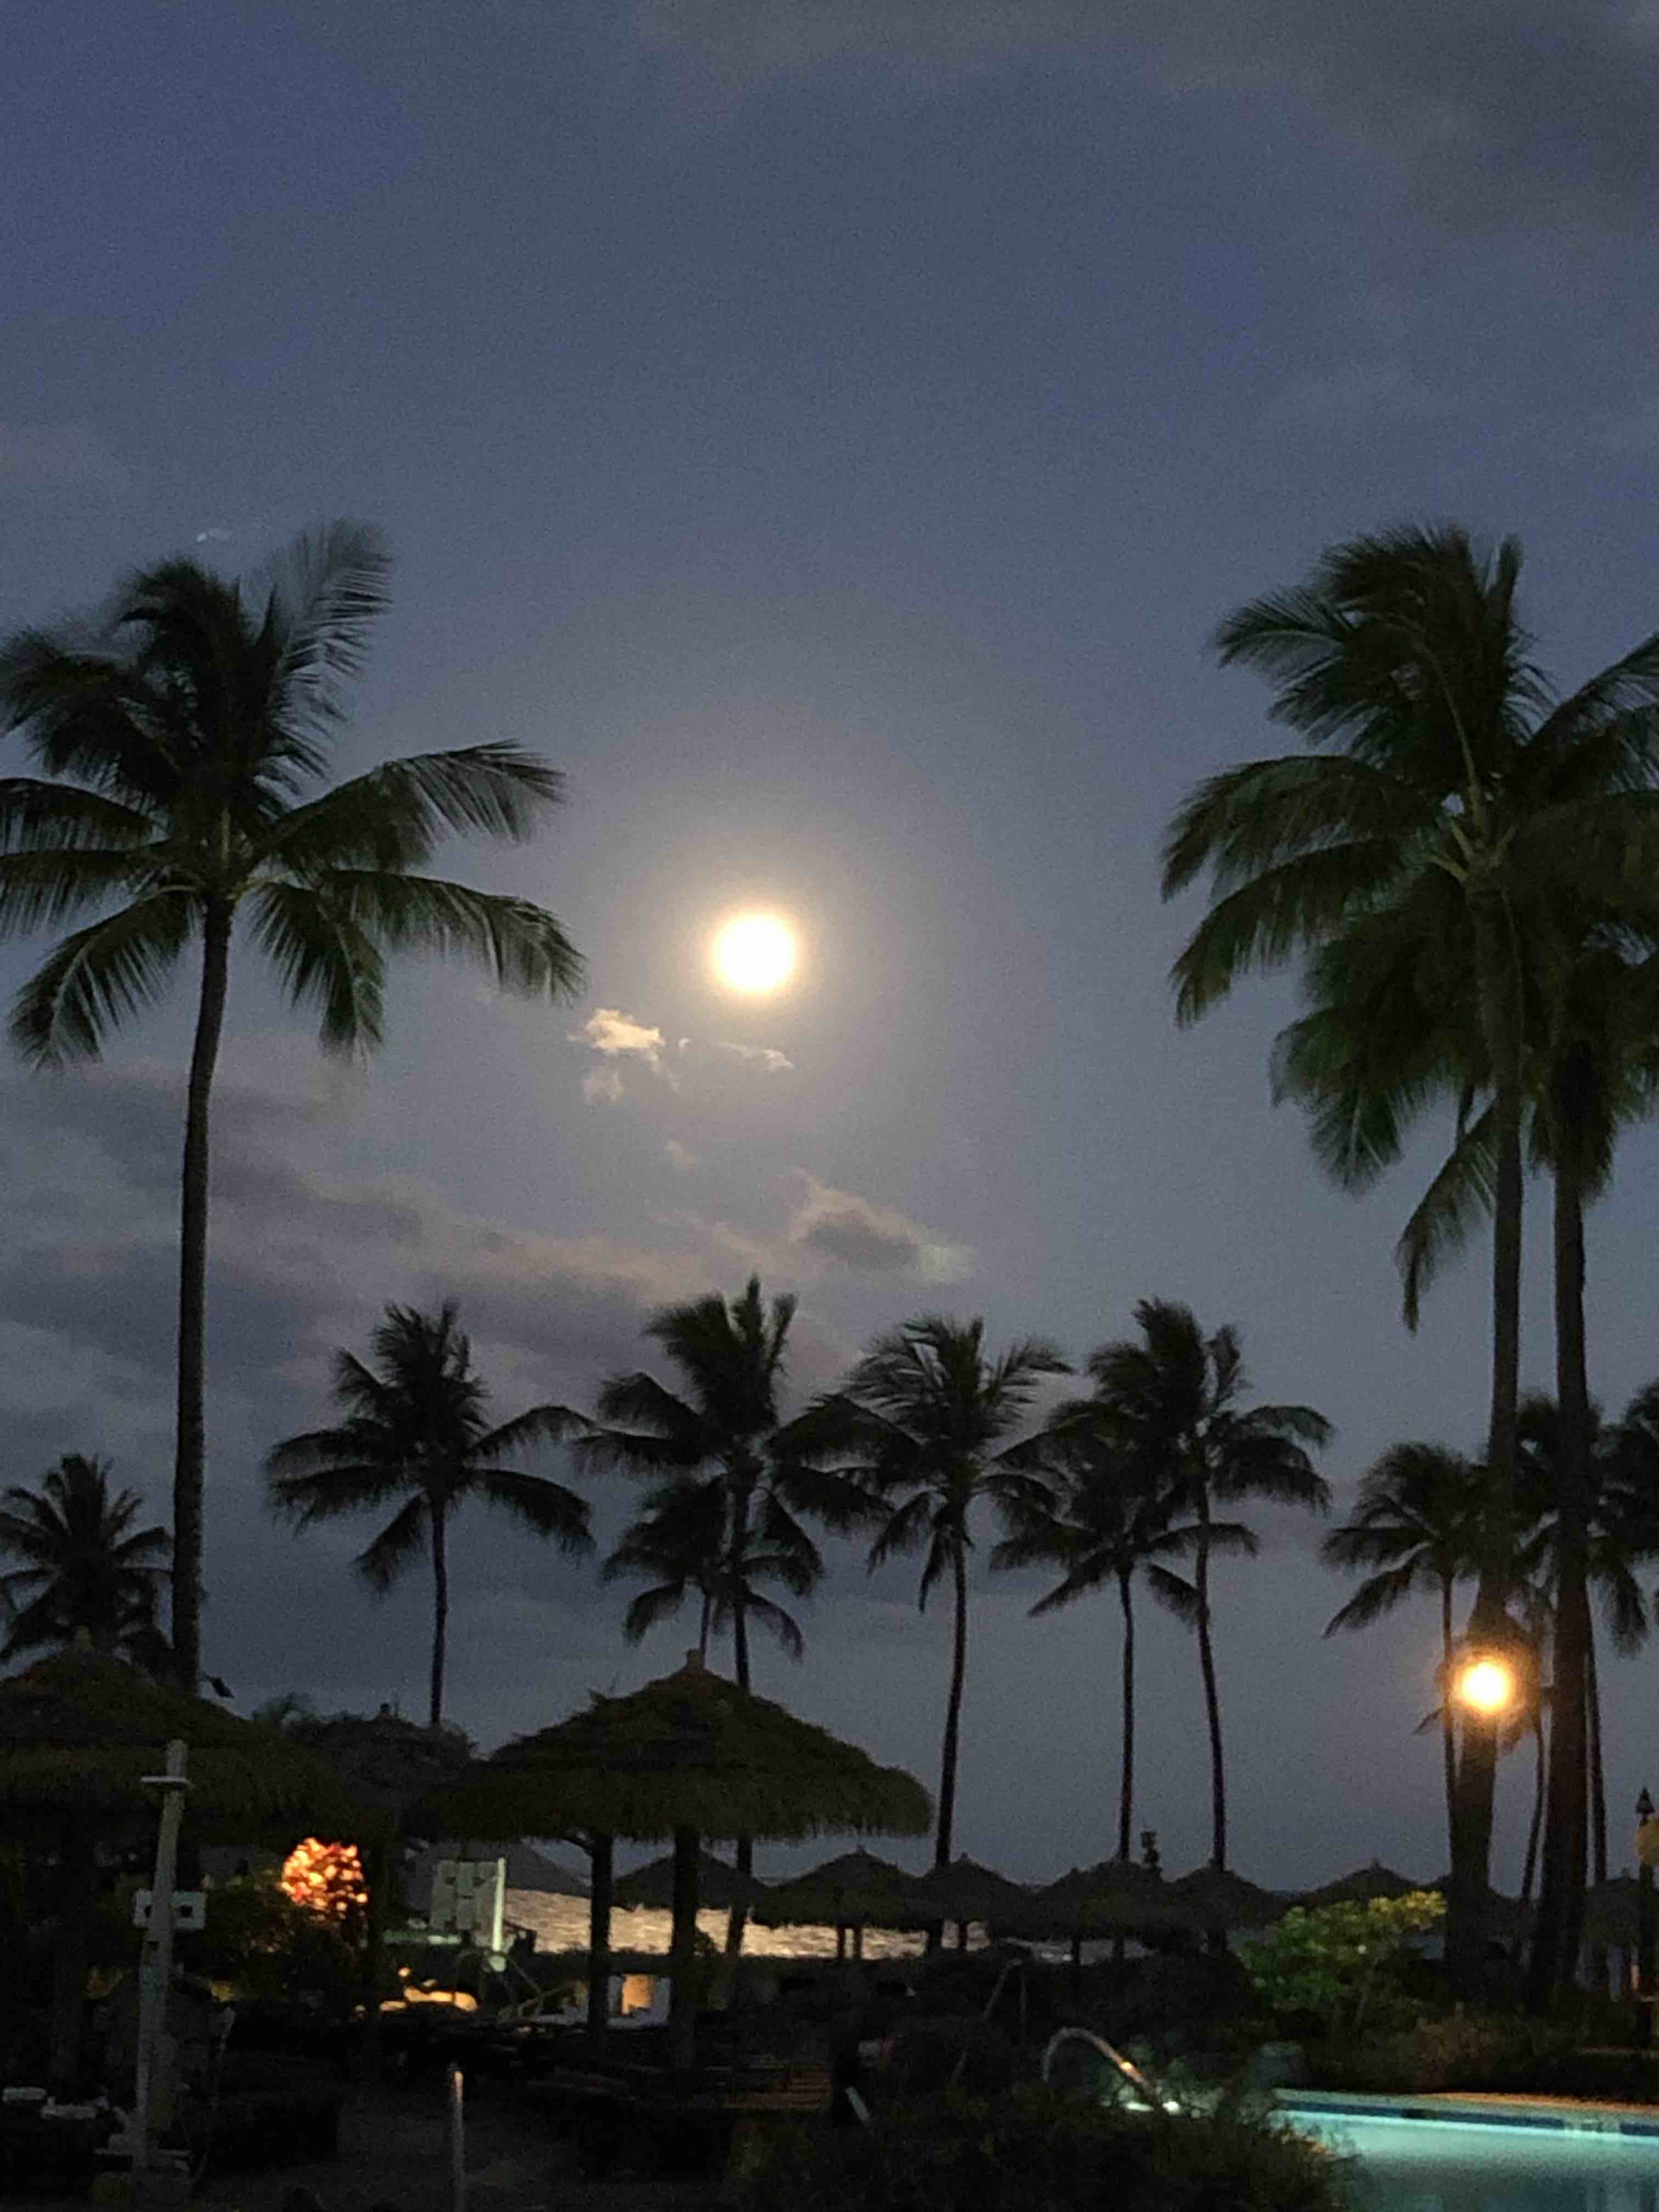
[755, 953]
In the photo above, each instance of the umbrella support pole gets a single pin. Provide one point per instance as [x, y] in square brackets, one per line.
[155, 1965]
[682, 1994]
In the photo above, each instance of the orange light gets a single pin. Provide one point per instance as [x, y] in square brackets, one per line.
[1487, 1686]
[327, 1879]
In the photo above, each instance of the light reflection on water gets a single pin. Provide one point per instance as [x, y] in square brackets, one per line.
[560, 1925]
[1452, 2165]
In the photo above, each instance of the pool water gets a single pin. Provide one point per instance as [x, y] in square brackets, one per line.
[1478, 2166]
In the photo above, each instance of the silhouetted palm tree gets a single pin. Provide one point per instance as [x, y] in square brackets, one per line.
[919, 1419]
[1416, 1525]
[1454, 782]
[724, 1436]
[1105, 1521]
[1174, 1397]
[86, 1565]
[414, 1431]
[179, 744]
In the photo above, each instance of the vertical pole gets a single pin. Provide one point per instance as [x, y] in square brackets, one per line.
[1644, 1923]
[457, 2140]
[155, 1965]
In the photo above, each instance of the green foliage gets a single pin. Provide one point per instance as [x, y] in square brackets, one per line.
[1460, 2050]
[1334, 1961]
[266, 1947]
[1030, 2151]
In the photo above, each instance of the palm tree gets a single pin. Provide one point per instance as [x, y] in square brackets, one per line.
[87, 1566]
[1416, 1525]
[1175, 1398]
[179, 744]
[1453, 766]
[414, 1431]
[724, 1436]
[682, 1538]
[1105, 1521]
[917, 1421]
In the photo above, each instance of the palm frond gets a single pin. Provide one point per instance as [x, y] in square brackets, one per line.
[380, 1563]
[540, 1504]
[323, 960]
[92, 979]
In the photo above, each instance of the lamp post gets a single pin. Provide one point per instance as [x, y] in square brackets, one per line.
[1647, 1841]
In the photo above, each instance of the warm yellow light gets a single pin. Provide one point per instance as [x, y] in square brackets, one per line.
[1487, 1685]
[755, 953]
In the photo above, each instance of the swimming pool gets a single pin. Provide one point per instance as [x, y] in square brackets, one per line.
[1470, 2160]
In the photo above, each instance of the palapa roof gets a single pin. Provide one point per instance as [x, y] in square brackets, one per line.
[855, 1889]
[689, 1751]
[389, 1764]
[1362, 1885]
[80, 1731]
[967, 1891]
[1218, 1898]
[653, 1887]
[1113, 1897]
[525, 1869]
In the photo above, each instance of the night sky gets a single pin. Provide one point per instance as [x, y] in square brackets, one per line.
[829, 430]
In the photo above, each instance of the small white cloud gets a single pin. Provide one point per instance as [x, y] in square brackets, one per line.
[618, 1035]
[767, 1058]
[602, 1086]
[677, 1155]
[215, 536]
[876, 1239]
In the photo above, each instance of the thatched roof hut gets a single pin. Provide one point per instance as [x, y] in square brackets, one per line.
[1218, 1898]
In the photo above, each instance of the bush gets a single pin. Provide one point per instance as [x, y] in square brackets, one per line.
[1464, 2050]
[269, 1948]
[1030, 2151]
[1339, 1963]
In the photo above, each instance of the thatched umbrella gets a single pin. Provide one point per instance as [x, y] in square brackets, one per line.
[78, 1733]
[856, 1890]
[1365, 1884]
[652, 1887]
[1114, 1898]
[688, 1755]
[964, 1891]
[527, 1869]
[1220, 1899]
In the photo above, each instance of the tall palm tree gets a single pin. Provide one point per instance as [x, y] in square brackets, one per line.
[1175, 1397]
[723, 1432]
[1416, 1525]
[179, 744]
[1450, 764]
[1105, 1522]
[414, 1431]
[87, 1566]
[917, 1422]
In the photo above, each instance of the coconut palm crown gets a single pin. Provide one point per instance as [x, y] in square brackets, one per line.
[179, 744]
[87, 1566]
[414, 1431]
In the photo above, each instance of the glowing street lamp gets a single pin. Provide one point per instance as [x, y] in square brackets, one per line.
[1487, 1686]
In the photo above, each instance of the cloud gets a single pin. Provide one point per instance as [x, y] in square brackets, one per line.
[1531, 115]
[43, 454]
[619, 1035]
[677, 1155]
[875, 1239]
[602, 1086]
[766, 1057]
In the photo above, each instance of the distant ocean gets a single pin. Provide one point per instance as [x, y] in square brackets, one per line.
[559, 1923]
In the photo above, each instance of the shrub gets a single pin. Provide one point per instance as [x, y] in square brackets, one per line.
[1030, 2151]
[1335, 1962]
[266, 1947]
[1462, 2051]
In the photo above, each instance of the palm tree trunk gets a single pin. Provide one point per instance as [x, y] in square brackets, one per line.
[602, 1855]
[440, 1614]
[1447, 1719]
[1597, 1773]
[947, 1786]
[1125, 1796]
[1561, 1900]
[190, 1466]
[744, 1856]
[1533, 1827]
[1477, 1774]
[1211, 1701]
